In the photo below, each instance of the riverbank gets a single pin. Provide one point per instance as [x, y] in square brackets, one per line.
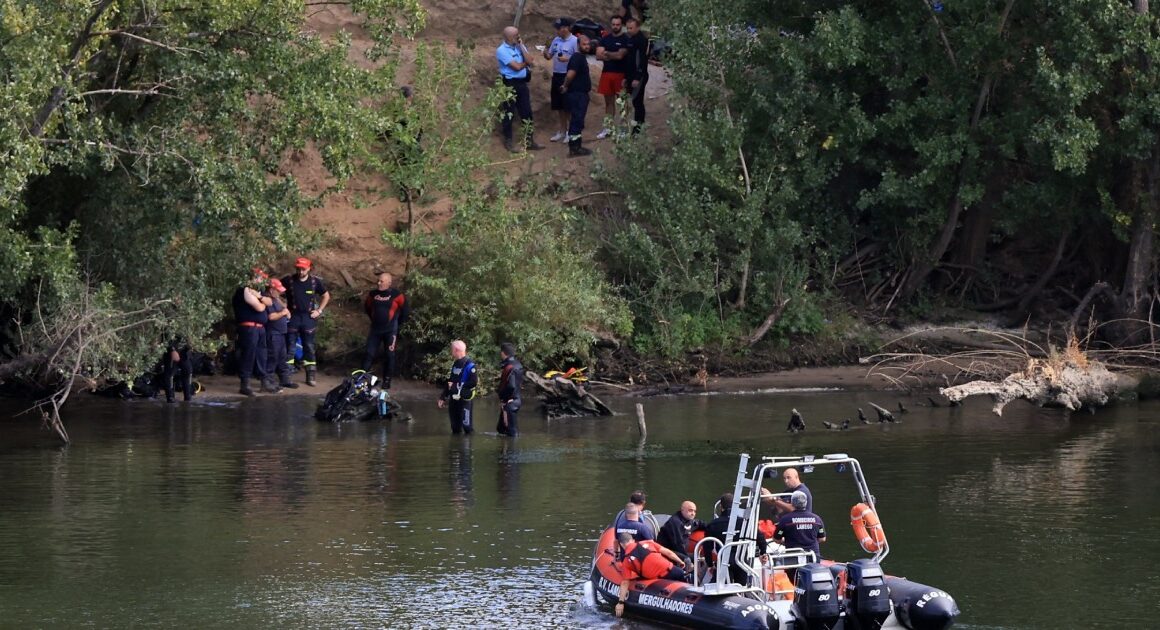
[843, 377]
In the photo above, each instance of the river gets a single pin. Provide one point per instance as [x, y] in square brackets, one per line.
[255, 515]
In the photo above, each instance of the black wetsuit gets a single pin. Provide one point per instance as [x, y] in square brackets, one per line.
[180, 371]
[716, 529]
[388, 310]
[637, 70]
[459, 393]
[511, 379]
[674, 534]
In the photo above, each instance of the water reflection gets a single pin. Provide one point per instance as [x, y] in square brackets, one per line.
[459, 465]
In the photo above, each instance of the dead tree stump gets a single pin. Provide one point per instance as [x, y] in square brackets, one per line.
[1070, 383]
[562, 398]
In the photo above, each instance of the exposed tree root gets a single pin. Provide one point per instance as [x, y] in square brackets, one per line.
[562, 398]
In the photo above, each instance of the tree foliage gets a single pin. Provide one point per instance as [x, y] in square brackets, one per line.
[917, 149]
[144, 149]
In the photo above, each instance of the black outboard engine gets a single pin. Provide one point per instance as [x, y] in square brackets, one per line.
[922, 607]
[867, 595]
[816, 598]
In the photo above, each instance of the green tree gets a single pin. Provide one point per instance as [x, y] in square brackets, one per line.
[143, 163]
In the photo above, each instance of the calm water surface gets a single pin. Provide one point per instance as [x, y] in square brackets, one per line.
[256, 515]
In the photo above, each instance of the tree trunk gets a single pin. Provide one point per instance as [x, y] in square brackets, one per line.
[56, 95]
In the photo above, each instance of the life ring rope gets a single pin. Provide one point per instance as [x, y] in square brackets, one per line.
[867, 528]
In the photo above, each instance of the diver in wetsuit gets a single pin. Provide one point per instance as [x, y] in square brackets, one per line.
[460, 390]
[511, 378]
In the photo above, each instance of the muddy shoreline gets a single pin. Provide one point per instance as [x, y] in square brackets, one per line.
[844, 377]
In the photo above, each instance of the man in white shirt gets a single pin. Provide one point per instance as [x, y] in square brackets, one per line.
[559, 52]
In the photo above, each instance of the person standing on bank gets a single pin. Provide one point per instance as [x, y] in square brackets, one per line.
[177, 369]
[277, 369]
[577, 84]
[612, 50]
[387, 307]
[636, 70]
[559, 51]
[511, 379]
[307, 300]
[515, 69]
[250, 315]
[460, 390]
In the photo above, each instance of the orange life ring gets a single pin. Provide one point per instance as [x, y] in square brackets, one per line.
[867, 528]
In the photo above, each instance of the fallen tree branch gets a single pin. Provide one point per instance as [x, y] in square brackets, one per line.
[769, 322]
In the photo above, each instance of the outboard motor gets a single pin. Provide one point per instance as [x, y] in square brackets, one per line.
[921, 607]
[867, 594]
[816, 597]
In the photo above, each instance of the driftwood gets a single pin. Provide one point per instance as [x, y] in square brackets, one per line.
[562, 398]
[1069, 383]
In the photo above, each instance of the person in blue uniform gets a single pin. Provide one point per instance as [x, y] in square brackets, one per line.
[460, 390]
[575, 88]
[793, 483]
[629, 522]
[515, 66]
[277, 369]
[250, 315]
[307, 298]
[387, 308]
[511, 379]
[801, 527]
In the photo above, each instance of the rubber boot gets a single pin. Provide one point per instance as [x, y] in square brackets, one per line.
[269, 385]
[245, 390]
[310, 373]
[575, 149]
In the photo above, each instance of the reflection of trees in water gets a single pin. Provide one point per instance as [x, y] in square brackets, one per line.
[275, 477]
[459, 474]
[1069, 477]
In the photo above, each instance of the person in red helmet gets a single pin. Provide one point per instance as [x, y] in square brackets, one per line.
[277, 370]
[306, 297]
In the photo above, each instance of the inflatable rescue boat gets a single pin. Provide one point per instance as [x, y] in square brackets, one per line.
[825, 595]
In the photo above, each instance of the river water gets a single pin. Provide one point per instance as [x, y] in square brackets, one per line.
[255, 515]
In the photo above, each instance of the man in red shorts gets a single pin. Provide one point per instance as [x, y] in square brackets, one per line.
[613, 51]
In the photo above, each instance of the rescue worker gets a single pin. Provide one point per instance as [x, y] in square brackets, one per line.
[719, 528]
[638, 499]
[177, 366]
[278, 370]
[645, 560]
[629, 523]
[675, 532]
[460, 390]
[250, 315]
[801, 527]
[307, 300]
[793, 483]
[511, 379]
[387, 308]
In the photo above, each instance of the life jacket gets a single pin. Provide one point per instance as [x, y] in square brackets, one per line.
[464, 376]
[646, 561]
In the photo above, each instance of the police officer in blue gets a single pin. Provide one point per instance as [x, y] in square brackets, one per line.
[250, 314]
[511, 379]
[515, 69]
[307, 299]
[460, 390]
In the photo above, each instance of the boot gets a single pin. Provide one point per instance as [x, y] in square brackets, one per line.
[507, 144]
[530, 144]
[245, 390]
[269, 385]
[287, 383]
[575, 149]
[310, 373]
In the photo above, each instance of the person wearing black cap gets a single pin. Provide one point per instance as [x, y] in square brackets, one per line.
[577, 85]
[511, 378]
[559, 51]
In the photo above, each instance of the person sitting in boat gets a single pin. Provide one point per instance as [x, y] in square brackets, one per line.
[793, 483]
[645, 560]
[675, 532]
[717, 529]
[801, 528]
[630, 523]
